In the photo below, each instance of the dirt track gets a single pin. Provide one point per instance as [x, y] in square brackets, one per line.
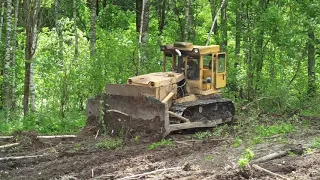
[201, 159]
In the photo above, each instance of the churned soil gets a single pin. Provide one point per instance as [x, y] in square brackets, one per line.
[185, 158]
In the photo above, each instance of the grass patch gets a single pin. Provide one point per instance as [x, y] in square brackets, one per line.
[216, 132]
[237, 142]
[162, 143]
[267, 131]
[315, 143]
[109, 143]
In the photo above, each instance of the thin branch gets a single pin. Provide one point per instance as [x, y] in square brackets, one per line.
[9, 145]
[19, 157]
[268, 172]
[152, 172]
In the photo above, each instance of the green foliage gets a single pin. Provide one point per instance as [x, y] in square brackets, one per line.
[316, 143]
[43, 123]
[203, 134]
[245, 158]
[221, 130]
[208, 157]
[162, 143]
[282, 128]
[279, 86]
[109, 143]
[237, 142]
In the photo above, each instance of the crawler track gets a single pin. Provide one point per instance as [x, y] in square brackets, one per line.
[206, 109]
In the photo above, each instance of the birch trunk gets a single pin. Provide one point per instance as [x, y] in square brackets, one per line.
[214, 22]
[34, 47]
[1, 20]
[76, 47]
[14, 45]
[187, 17]
[7, 57]
[140, 37]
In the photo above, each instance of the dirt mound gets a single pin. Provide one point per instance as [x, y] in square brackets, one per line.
[28, 140]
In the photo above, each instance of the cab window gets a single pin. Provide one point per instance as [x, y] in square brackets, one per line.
[222, 63]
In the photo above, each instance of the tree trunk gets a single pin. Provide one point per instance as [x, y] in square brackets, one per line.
[76, 48]
[31, 18]
[140, 37]
[61, 59]
[213, 14]
[176, 11]
[311, 64]
[238, 32]
[1, 20]
[161, 18]
[138, 14]
[14, 45]
[259, 56]
[93, 28]
[214, 22]
[7, 58]
[224, 25]
[187, 17]
[145, 25]
[34, 47]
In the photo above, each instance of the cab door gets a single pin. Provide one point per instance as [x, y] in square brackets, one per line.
[220, 70]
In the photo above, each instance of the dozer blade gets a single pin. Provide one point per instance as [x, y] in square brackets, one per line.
[130, 113]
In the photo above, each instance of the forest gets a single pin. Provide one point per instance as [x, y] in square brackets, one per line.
[56, 54]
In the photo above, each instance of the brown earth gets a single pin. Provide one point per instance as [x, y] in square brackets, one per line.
[78, 158]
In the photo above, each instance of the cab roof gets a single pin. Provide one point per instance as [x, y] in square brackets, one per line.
[189, 48]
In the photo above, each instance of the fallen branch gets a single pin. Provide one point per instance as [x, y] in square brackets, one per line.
[19, 157]
[268, 172]
[152, 172]
[6, 137]
[117, 111]
[58, 136]
[9, 145]
[271, 156]
[178, 116]
[44, 137]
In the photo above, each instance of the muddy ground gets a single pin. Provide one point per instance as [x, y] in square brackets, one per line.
[213, 158]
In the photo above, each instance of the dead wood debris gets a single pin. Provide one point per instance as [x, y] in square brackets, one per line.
[9, 145]
[44, 137]
[268, 172]
[19, 157]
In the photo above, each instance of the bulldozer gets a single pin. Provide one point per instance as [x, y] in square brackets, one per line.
[185, 95]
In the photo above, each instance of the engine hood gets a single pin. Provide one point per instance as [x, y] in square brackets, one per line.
[157, 79]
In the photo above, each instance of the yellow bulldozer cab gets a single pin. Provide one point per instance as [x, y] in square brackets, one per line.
[204, 67]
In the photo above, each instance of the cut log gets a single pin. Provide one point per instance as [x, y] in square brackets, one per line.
[9, 145]
[58, 136]
[178, 116]
[6, 137]
[269, 172]
[19, 157]
[152, 172]
[271, 156]
[190, 125]
[44, 137]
